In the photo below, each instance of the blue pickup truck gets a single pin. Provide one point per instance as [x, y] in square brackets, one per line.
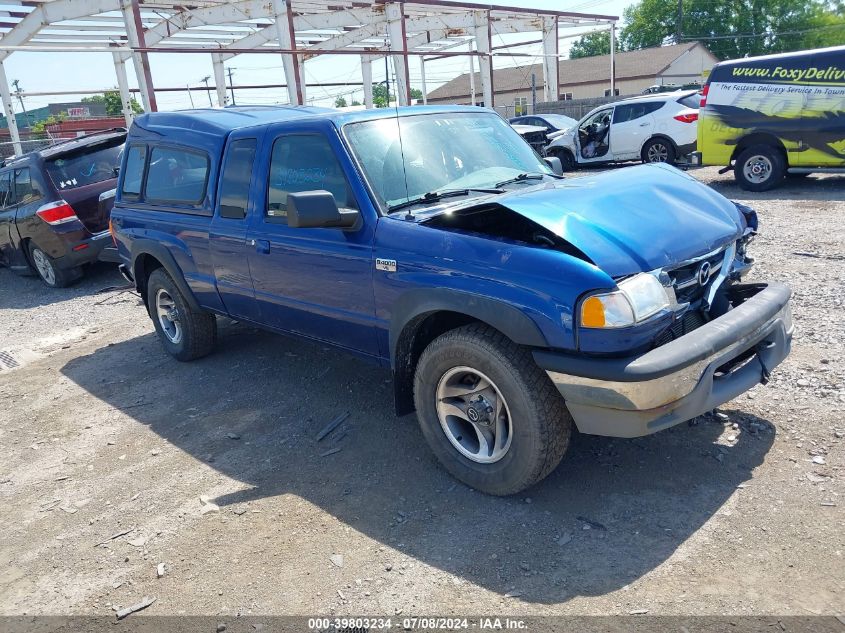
[508, 302]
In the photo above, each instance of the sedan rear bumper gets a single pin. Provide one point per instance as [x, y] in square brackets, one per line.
[693, 374]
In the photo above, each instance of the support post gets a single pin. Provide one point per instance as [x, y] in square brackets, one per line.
[9, 111]
[471, 76]
[551, 79]
[367, 79]
[123, 88]
[613, 59]
[283, 19]
[485, 62]
[135, 34]
[399, 51]
[422, 78]
[219, 80]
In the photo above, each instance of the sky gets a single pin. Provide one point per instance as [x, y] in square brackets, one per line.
[94, 72]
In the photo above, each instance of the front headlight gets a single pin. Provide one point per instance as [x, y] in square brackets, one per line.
[638, 298]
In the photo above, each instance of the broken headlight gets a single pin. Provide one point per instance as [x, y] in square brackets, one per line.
[638, 298]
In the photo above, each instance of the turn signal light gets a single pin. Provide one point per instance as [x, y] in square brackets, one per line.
[692, 117]
[55, 213]
[592, 313]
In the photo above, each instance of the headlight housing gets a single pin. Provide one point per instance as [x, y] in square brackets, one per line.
[638, 298]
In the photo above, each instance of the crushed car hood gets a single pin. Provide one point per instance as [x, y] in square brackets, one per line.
[634, 219]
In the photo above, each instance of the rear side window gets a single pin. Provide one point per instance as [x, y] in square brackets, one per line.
[176, 175]
[86, 165]
[25, 191]
[303, 162]
[6, 189]
[237, 173]
[691, 101]
[133, 173]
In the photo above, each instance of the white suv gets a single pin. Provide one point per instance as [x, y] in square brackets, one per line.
[657, 128]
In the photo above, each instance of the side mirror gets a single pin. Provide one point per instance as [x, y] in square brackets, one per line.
[318, 209]
[555, 164]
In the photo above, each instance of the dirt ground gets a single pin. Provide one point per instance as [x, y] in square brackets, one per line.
[118, 459]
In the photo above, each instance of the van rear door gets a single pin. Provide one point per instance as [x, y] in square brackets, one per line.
[823, 118]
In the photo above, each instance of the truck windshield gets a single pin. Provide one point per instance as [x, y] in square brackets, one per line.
[439, 152]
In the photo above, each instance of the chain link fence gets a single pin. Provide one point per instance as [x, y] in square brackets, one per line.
[7, 148]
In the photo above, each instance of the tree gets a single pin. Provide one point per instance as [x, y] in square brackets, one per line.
[113, 103]
[380, 95]
[340, 102]
[733, 29]
[590, 45]
[416, 94]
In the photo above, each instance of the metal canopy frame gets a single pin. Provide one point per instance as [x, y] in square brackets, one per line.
[295, 29]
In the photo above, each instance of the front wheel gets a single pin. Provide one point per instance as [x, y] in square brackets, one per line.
[659, 150]
[186, 334]
[759, 168]
[488, 412]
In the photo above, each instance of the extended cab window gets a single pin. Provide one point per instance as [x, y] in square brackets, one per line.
[176, 175]
[305, 162]
[237, 172]
[133, 175]
[25, 190]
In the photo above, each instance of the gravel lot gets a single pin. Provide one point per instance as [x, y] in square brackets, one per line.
[119, 459]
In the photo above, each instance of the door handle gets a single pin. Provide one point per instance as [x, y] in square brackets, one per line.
[643, 124]
[261, 246]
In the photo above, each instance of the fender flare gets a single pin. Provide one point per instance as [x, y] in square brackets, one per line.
[168, 262]
[505, 317]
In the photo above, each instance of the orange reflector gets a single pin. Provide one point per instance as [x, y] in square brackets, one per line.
[592, 313]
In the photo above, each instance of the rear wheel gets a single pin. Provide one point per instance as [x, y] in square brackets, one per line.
[759, 168]
[658, 150]
[488, 412]
[186, 334]
[49, 272]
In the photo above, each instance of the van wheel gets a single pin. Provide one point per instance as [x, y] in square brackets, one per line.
[658, 150]
[759, 168]
[49, 272]
[186, 334]
[489, 413]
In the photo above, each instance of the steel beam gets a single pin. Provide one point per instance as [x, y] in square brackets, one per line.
[484, 45]
[612, 59]
[219, 80]
[551, 78]
[285, 33]
[123, 87]
[399, 51]
[6, 95]
[367, 78]
[422, 78]
[135, 34]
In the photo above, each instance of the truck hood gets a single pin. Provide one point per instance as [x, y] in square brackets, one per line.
[632, 220]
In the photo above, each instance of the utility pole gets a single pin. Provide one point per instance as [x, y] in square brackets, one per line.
[680, 21]
[387, 82]
[533, 93]
[16, 83]
[207, 89]
[231, 85]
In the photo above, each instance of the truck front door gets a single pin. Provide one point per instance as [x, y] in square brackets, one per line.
[314, 282]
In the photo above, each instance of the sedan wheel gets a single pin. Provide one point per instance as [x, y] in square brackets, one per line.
[44, 266]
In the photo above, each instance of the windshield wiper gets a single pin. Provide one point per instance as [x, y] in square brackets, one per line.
[535, 175]
[434, 196]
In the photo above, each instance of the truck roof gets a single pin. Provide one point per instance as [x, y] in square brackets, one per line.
[221, 121]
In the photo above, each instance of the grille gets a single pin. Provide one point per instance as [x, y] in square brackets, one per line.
[685, 278]
[690, 321]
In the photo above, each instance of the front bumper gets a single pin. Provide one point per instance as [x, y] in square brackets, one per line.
[630, 397]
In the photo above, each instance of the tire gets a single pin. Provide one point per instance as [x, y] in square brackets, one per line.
[534, 431]
[48, 271]
[659, 150]
[759, 168]
[187, 334]
[567, 162]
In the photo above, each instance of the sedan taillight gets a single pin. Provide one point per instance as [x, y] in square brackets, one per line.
[54, 213]
[690, 117]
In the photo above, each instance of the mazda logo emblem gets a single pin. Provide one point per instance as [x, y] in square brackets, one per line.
[703, 273]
